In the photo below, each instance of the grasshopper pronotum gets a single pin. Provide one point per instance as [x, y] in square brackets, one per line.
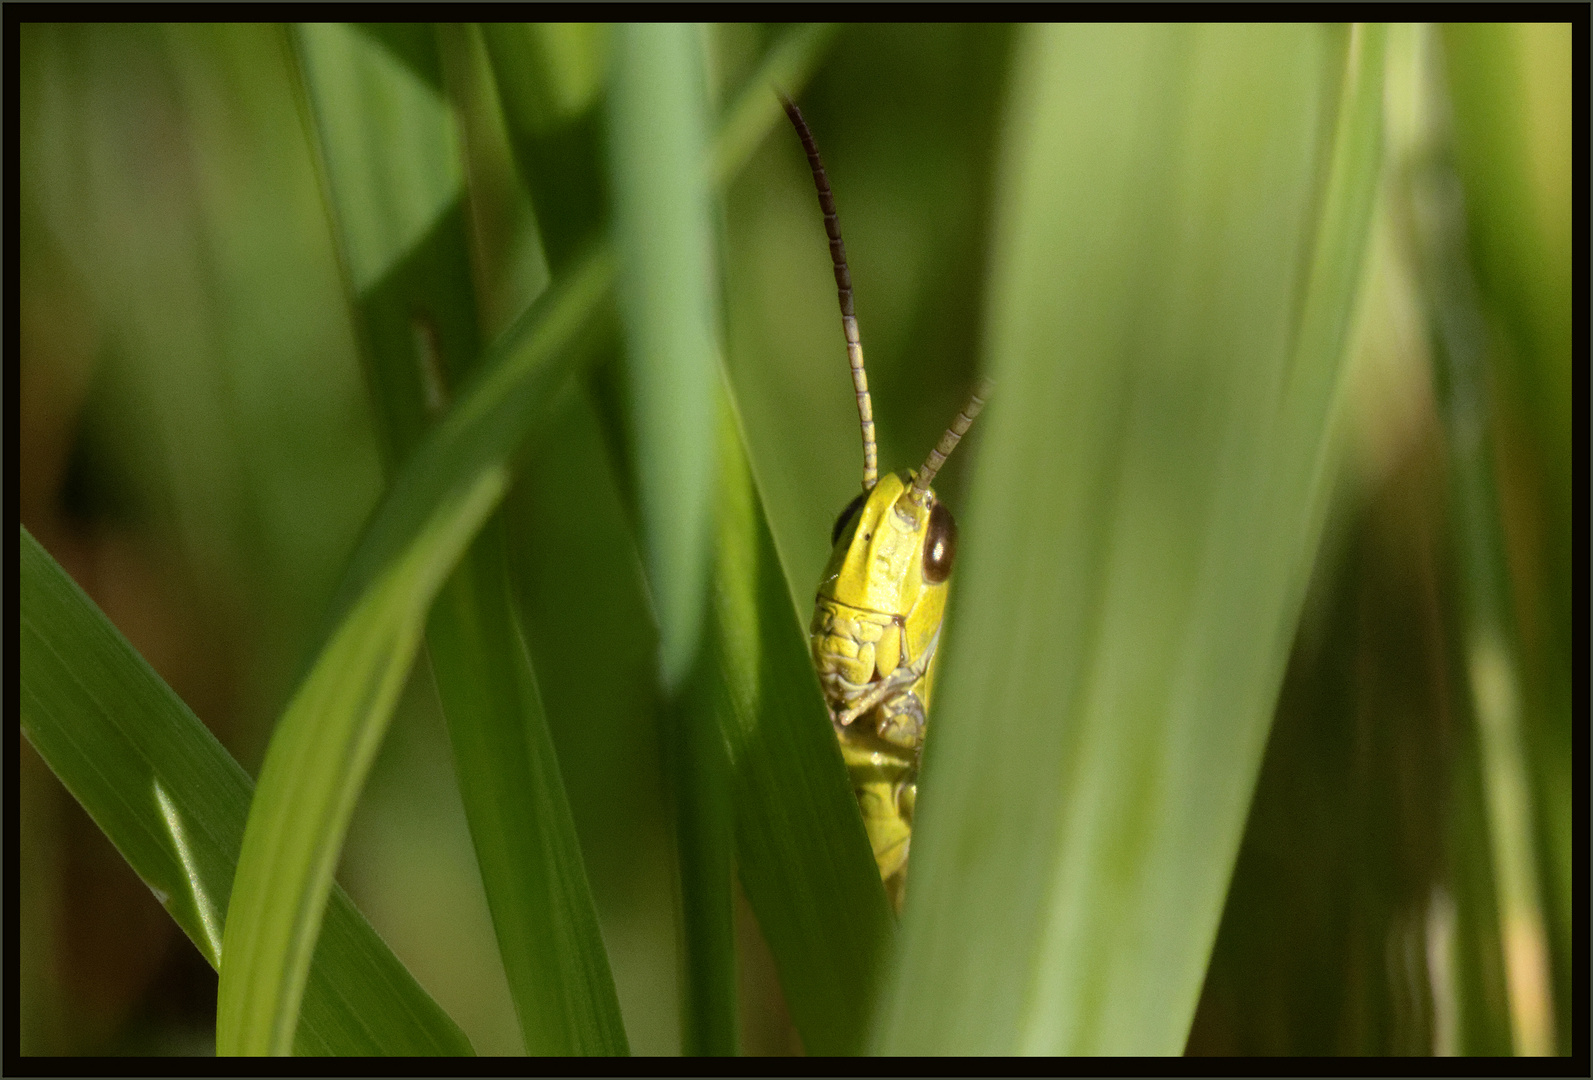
[876, 619]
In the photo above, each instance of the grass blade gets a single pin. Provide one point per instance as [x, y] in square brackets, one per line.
[520, 819]
[174, 803]
[789, 791]
[313, 771]
[663, 229]
[1510, 89]
[420, 337]
[445, 490]
[1177, 257]
[1491, 656]
[801, 851]
[533, 359]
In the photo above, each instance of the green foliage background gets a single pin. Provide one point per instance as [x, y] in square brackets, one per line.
[1256, 727]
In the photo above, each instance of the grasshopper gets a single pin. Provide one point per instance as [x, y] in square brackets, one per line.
[877, 616]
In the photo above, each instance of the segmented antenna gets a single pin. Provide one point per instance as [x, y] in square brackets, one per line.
[843, 290]
[948, 442]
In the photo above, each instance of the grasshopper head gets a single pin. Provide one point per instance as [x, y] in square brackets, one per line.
[883, 594]
[892, 551]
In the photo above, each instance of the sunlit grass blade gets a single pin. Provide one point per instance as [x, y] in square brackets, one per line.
[663, 232]
[550, 79]
[1180, 235]
[459, 463]
[803, 857]
[174, 803]
[312, 775]
[529, 363]
[419, 317]
[806, 886]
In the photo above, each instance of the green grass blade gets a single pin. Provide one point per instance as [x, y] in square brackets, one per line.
[312, 775]
[390, 145]
[550, 79]
[801, 851]
[444, 491]
[533, 360]
[1180, 237]
[512, 392]
[520, 819]
[174, 803]
[784, 833]
[663, 227]
[663, 231]
[420, 337]
[1510, 94]
[1491, 655]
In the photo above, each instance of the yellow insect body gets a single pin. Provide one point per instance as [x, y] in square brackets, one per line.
[876, 625]
[876, 620]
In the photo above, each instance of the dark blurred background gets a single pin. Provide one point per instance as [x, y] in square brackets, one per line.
[197, 450]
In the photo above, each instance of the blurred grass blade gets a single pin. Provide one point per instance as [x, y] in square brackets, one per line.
[663, 232]
[520, 819]
[393, 162]
[513, 391]
[784, 837]
[1491, 641]
[658, 147]
[312, 775]
[801, 851]
[420, 338]
[465, 451]
[1510, 89]
[531, 361]
[459, 464]
[550, 79]
[1180, 237]
[174, 803]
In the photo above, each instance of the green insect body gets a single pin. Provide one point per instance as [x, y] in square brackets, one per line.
[877, 616]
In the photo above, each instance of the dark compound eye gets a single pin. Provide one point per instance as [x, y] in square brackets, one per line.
[846, 516]
[940, 547]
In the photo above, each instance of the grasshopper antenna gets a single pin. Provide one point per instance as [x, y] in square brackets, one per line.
[843, 289]
[948, 442]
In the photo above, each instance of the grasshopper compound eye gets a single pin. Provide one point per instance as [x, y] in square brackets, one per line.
[940, 546]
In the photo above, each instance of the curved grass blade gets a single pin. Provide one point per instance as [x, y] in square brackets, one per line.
[312, 775]
[460, 463]
[420, 337]
[1178, 251]
[532, 361]
[174, 803]
[802, 854]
